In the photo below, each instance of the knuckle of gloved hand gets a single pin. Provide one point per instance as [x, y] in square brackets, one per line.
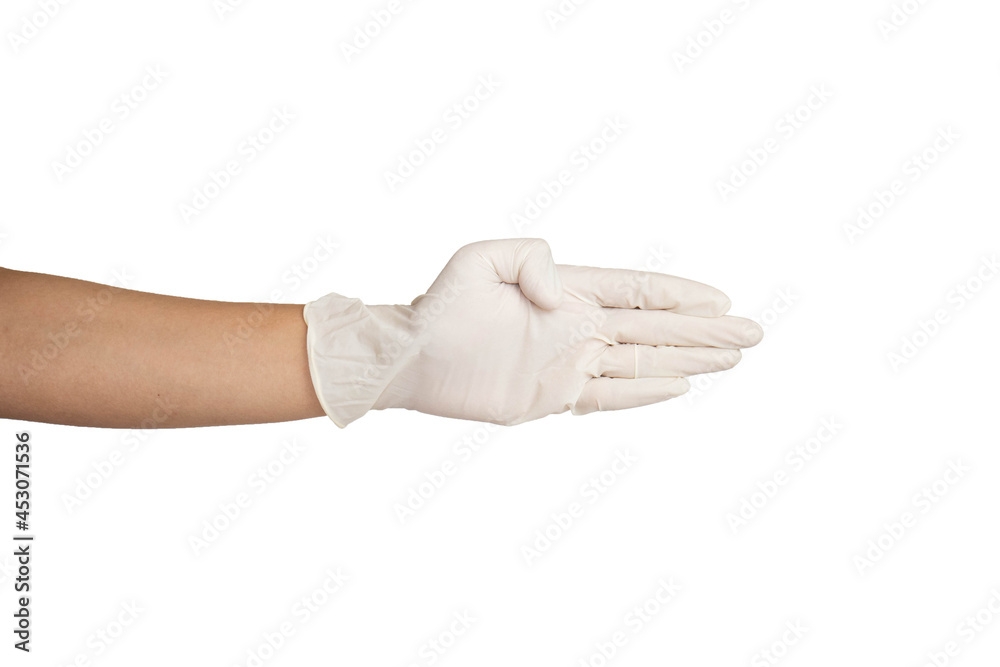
[471, 250]
[536, 245]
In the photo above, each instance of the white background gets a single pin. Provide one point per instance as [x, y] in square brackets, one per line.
[835, 305]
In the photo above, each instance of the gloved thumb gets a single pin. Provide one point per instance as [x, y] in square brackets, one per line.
[529, 264]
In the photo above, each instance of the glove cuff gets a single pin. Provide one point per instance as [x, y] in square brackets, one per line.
[354, 353]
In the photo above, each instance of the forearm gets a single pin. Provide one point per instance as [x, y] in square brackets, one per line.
[80, 353]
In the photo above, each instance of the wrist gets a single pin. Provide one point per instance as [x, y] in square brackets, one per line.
[354, 353]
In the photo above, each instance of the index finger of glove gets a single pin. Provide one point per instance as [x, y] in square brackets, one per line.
[625, 288]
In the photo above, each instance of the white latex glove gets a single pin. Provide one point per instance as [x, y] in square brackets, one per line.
[505, 335]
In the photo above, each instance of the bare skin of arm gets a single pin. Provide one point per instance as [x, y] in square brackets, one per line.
[84, 354]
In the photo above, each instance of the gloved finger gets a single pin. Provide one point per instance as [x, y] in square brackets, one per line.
[624, 288]
[615, 394]
[646, 361]
[527, 263]
[661, 327]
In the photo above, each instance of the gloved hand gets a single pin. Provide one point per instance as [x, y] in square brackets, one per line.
[505, 335]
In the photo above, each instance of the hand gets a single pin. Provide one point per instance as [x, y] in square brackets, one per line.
[505, 335]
